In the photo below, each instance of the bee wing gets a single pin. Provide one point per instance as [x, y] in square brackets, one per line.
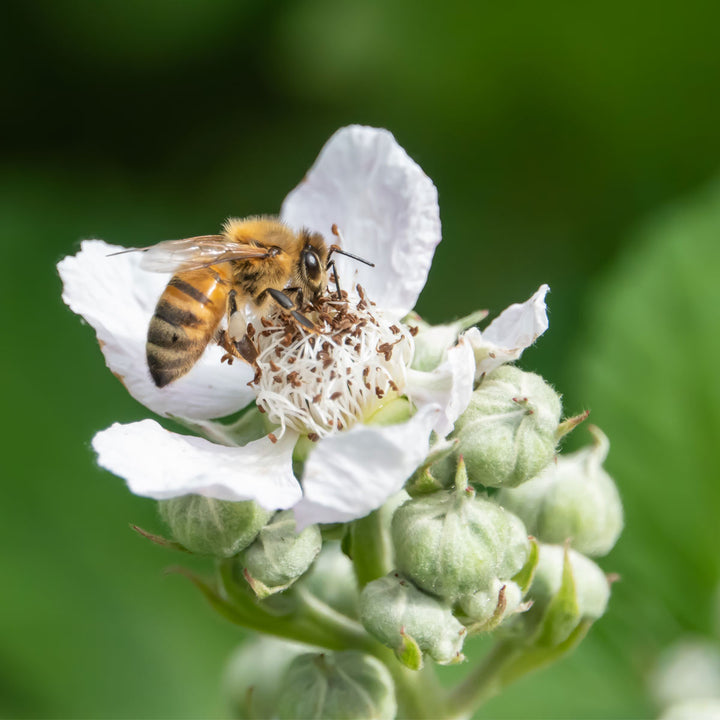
[193, 253]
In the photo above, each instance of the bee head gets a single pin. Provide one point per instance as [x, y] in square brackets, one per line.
[311, 266]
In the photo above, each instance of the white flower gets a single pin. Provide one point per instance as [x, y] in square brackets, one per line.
[387, 210]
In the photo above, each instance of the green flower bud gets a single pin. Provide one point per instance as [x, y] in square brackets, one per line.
[509, 431]
[337, 686]
[410, 622]
[252, 678]
[452, 543]
[567, 589]
[279, 555]
[572, 499]
[332, 579]
[485, 610]
[213, 527]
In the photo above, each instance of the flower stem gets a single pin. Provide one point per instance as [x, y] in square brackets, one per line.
[314, 622]
[319, 613]
[418, 692]
[370, 548]
[309, 621]
[483, 682]
[506, 662]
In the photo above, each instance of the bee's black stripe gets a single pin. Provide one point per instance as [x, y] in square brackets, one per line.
[159, 360]
[190, 290]
[175, 316]
[164, 335]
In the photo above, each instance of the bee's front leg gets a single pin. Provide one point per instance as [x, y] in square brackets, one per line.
[289, 306]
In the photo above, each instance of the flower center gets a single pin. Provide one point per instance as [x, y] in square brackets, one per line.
[324, 381]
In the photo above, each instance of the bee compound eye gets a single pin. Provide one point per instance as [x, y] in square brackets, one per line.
[312, 264]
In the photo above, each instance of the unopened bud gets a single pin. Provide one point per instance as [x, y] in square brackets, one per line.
[279, 555]
[572, 499]
[337, 686]
[567, 589]
[332, 579]
[452, 543]
[410, 622]
[509, 431]
[213, 527]
[485, 610]
[252, 678]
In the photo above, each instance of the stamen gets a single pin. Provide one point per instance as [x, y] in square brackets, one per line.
[318, 382]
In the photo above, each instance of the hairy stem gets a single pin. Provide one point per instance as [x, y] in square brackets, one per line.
[310, 621]
[507, 662]
[370, 548]
[314, 622]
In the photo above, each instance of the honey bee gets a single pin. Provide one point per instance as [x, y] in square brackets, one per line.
[254, 262]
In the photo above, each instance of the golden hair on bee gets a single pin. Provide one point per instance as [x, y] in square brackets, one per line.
[255, 262]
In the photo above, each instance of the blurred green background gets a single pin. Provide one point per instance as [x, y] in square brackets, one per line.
[571, 143]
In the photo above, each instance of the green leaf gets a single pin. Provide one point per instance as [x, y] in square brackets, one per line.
[647, 367]
[649, 371]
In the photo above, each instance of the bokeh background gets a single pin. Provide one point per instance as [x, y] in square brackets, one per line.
[571, 143]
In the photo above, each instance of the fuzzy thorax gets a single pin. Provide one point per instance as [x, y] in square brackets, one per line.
[320, 382]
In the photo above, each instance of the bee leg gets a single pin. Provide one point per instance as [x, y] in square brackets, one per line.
[287, 304]
[232, 303]
[331, 264]
[223, 340]
[307, 324]
[244, 348]
[281, 299]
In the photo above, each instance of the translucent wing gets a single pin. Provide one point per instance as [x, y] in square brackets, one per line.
[193, 253]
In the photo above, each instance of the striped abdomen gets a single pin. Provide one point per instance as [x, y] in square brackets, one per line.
[185, 320]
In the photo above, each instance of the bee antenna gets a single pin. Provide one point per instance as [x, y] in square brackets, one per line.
[124, 252]
[338, 249]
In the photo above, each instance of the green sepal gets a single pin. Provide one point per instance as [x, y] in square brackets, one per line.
[409, 652]
[159, 539]
[525, 577]
[422, 481]
[569, 424]
[475, 628]
[563, 614]
[461, 479]
[261, 590]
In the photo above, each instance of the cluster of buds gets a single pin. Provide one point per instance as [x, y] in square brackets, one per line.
[492, 534]
[389, 489]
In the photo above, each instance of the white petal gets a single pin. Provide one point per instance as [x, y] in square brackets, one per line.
[118, 298]
[515, 329]
[385, 206]
[352, 473]
[450, 386]
[160, 464]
